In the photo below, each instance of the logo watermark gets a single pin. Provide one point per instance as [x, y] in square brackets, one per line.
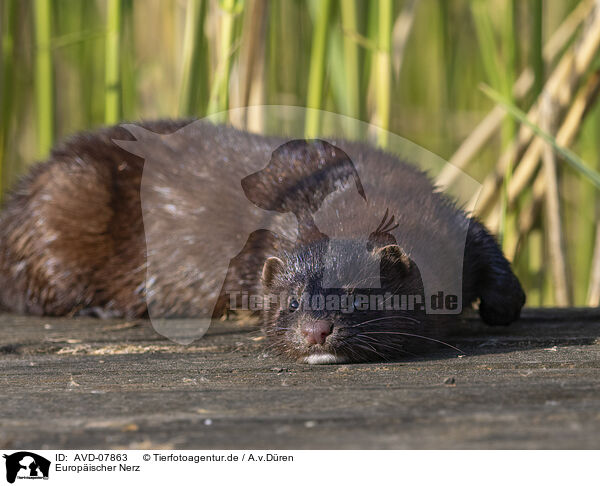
[344, 303]
[26, 465]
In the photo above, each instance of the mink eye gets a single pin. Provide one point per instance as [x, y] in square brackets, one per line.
[357, 303]
[294, 304]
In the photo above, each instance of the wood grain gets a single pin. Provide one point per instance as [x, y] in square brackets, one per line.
[90, 384]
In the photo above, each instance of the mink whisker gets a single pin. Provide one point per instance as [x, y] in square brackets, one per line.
[416, 335]
[397, 316]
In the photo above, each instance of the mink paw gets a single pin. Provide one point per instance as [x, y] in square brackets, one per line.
[502, 305]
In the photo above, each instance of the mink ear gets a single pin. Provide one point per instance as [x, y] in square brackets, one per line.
[393, 259]
[272, 267]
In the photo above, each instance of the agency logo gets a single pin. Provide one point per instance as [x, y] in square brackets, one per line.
[26, 465]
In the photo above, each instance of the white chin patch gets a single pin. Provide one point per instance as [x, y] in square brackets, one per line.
[323, 358]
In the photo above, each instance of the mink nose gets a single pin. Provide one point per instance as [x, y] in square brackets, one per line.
[316, 332]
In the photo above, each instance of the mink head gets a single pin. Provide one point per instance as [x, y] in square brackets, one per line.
[328, 306]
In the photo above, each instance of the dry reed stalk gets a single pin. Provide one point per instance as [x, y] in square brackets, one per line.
[530, 161]
[484, 131]
[252, 45]
[255, 121]
[571, 124]
[401, 32]
[384, 71]
[528, 215]
[593, 298]
[556, 240]
[558, 90]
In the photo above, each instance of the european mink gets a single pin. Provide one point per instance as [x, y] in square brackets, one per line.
[94, 231]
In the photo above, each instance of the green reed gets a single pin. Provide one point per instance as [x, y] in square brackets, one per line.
[44, 81]
[69, 65]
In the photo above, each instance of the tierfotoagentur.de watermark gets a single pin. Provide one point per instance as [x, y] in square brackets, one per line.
[340, 302]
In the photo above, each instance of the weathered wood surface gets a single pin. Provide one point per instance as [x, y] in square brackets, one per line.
[113, 384]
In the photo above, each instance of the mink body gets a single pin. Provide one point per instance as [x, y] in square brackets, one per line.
[74, 240]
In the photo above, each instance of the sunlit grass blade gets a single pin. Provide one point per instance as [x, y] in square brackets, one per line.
[6, 81]
[571, 158]
[72, 38]
[219, 94]
[506, 233]
[337, 69]
[351, 70]
[44, 82]
[316, 76]
[128, 75]
[593, 296]
[384, 70]
[112, 81]
[446, 23]
[493, 66]
[499, 73]
[193, 92]
[586, 212]
[536, 53]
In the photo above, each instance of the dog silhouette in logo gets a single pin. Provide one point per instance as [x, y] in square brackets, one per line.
[300, 176]
[26, 463]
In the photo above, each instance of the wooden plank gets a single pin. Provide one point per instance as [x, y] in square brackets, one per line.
[85, 383]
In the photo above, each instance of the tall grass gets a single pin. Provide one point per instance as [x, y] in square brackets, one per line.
[408, 66]
[351, 71]
[112, 78]
[6, 80]
[384, 69]
[44, 80]
[316, 78]
[219, 94]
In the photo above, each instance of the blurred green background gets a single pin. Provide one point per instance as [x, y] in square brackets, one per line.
[413, 67]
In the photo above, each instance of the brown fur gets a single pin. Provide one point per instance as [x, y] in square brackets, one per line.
[72, 234]
[73, 239]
